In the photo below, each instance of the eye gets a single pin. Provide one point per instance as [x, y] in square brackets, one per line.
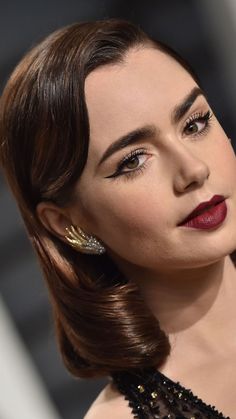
[135, 161]
[197, 123]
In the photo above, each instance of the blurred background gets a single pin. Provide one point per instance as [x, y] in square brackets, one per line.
[33, 380]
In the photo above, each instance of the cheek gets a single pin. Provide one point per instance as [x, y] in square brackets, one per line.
[130, 214]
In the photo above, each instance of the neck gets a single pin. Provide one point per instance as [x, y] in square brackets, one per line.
[180, 302]
[195, 308]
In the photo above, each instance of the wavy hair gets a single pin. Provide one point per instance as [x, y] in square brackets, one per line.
[102, 322]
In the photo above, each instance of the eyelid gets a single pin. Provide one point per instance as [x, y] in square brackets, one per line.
[133, 153]
[126, 158]
[198, 115]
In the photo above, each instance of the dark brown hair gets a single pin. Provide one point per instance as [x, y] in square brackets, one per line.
[103, 325]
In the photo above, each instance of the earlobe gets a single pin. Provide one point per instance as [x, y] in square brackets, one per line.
[53, 218]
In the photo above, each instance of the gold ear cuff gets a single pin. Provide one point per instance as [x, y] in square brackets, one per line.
[83, 242]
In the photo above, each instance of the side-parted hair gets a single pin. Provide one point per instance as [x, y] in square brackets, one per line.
[102, 322]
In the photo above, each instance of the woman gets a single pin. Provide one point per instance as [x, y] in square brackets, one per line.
[126, 184]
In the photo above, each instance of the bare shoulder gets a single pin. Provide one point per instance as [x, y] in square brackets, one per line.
[109, 403]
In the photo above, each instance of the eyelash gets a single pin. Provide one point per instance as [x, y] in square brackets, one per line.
[198, 117]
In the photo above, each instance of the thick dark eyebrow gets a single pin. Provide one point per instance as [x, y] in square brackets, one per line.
[182, 108]
[149, 131]
[132, 137]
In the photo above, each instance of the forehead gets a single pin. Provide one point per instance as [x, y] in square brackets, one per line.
[141, 90]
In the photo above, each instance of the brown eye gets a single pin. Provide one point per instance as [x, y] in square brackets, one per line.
[132, 163]
[195, 127]
[192, 128]
[197, 124]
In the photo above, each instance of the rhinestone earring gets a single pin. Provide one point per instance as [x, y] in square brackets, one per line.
[83, 242]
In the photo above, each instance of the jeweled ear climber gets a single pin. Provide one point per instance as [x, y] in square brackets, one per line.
[83, 242]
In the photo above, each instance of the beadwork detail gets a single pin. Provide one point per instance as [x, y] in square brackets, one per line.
[153, 395]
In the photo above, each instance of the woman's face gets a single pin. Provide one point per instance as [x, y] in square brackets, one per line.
[135, 210]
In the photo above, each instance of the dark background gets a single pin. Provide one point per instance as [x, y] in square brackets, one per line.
[204, 33]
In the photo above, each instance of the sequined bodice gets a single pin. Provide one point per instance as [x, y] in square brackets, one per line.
[152, 395]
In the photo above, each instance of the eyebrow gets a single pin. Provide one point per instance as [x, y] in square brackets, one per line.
[149, 131]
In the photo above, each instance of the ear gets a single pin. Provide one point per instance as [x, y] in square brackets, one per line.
[54, 218]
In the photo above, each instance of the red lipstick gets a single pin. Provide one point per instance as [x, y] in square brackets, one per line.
[208, 214]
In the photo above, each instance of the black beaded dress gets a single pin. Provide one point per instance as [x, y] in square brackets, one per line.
[152, 395]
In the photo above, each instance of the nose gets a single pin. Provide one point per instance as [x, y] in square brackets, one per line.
[190, 170]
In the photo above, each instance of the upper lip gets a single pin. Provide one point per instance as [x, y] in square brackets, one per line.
[216, 199]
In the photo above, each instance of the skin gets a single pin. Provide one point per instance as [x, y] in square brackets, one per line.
[185, 274]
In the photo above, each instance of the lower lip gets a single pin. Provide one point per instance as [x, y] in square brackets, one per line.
[210, 218]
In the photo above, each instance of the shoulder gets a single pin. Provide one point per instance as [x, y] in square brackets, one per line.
[109, 403]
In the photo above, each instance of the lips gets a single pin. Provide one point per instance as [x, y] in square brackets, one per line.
[216, 199]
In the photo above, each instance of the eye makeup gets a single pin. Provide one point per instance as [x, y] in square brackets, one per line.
[199, 117]
[192, 121]
[127, 159]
